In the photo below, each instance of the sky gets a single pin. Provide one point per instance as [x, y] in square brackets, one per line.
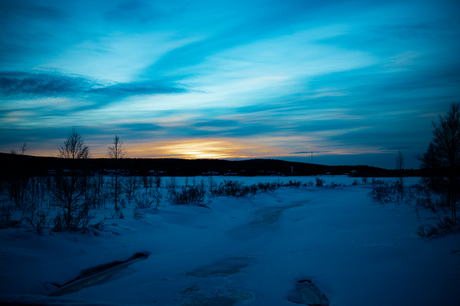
[328, 82]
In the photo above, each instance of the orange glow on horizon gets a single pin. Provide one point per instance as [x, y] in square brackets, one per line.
[219, 148]
[198, 149]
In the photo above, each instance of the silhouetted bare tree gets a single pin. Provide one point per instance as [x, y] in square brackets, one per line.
[446, 140]
[74, 147]
[116, 152]
[69, 185]
[23, 148]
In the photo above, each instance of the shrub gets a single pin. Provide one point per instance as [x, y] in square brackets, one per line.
[376, 182]
[187, 195]
[443, 227]
[291, 184]
[319, 182]
[16, 187]
[232, 188]
[157, 181]
[132, 183]
[79, 221]
[6, 216]
[38, 221]
[157, 194]
[409, 195]
[100, 224]
[85, 218]
[253, 190]
[171, 186]
[143, 201]
[212, 185]
[333, 185]
[238, 189]
[399, 190]
[137, 213]
[59, 224]
[265, 187]
[427, 202]
[118, 214]
[381, 193]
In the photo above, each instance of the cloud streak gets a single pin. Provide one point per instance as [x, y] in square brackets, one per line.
[24, 84]
[37, 85]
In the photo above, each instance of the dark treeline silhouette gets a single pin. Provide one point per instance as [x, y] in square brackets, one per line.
[74, 183]
[44, 166]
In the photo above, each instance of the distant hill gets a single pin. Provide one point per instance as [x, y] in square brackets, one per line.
[42, 166]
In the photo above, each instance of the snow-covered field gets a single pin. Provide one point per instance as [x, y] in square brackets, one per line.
[243, 251]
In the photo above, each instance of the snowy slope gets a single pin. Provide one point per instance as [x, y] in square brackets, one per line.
[244, 251]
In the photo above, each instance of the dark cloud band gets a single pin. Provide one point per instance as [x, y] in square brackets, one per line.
[36, 85]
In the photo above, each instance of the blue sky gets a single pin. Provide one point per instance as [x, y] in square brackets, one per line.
[354, 82]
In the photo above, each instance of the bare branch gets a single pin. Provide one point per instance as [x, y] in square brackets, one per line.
[23, 148]
[74, 147]
[116, 151]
